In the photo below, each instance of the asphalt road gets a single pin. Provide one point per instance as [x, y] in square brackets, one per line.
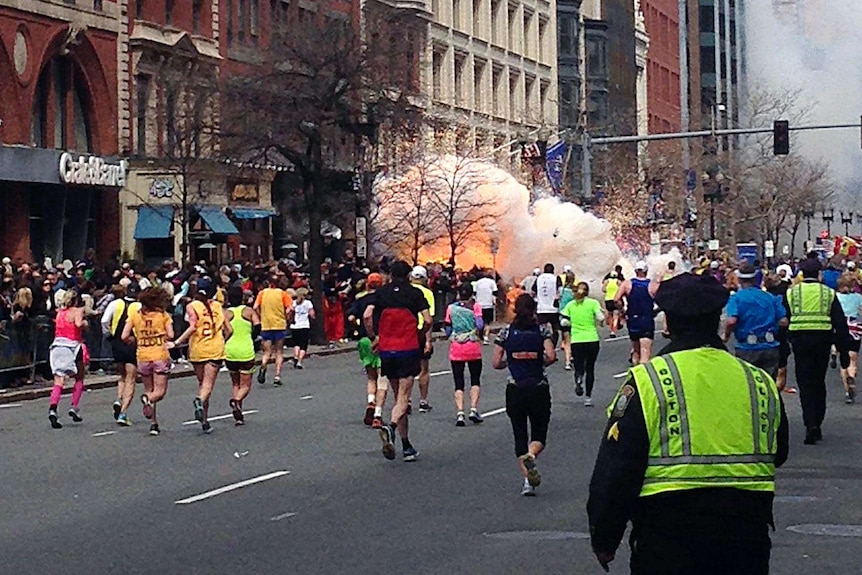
[94, 498]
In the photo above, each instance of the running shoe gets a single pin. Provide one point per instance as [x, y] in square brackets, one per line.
[486, 341]
[848, 399]
[124, 420]
[579, 385]
[298, 365]
[568, 366]
[55, 423]
[459, 421]
[588, 401]
[387, 436]
[236, 410]
[261, 375]
[424, 407]
[410, 454]
[207, 427]
[154, 429]
[369, 414]
[117, 409]
[377, 423]
[789, 390]
[528, 490]
[148, 406]
[409, 408]
[833, 361]
[199, 409]
[533, 476]
[475, 416]
[277, 382]
[74, 413]
[613, 336]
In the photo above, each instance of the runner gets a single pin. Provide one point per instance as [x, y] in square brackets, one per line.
[419, 279]
[567, 294]
[851, 303]
[640, 315]
[239, 349]
[390, 321]
[207, 331]
[526, 348]
[273, 306]
[584, 314]
[152, 328]
[376, 385]
[547, 293]
[125, 356]
[68, 355]
[486, 297]
[610, 287]
[464, 323]
[302, 312]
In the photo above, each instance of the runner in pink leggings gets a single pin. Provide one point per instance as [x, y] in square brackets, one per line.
[67, 355]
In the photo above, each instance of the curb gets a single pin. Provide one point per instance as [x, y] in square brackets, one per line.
[108, 381]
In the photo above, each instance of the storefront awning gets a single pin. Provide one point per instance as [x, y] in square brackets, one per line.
[252, 213]
[154, 222]
[217, 222]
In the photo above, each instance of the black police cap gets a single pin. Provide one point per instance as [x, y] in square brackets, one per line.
[688, 295]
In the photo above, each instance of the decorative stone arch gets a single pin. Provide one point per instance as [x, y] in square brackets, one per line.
[9, 97]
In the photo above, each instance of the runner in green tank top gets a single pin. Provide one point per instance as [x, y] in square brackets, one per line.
[239, 349]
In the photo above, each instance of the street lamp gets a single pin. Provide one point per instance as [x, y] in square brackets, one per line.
[847, 220]
[712, 193]
[828, 218]
[808, 213]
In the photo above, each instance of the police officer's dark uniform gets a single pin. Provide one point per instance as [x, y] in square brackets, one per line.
[816, 322]
[690, 450]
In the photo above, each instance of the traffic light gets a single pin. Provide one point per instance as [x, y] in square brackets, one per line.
[781, 137]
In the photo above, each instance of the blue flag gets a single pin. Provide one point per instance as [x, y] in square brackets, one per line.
[555, 159]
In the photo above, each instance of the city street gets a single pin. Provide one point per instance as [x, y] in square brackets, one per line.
[319, 497]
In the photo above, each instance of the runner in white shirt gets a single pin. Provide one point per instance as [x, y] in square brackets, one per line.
[485, 295]
[547, 293]
[302, 312]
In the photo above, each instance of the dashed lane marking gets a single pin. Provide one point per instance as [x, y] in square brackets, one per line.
[231, 487]
[494, 412]
[104, 433]
[218, 417]
[307, 397]
[436, 373]
[4, 406]
[282, 516]
[620, 375]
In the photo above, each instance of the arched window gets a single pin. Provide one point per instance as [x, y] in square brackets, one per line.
[59, 118]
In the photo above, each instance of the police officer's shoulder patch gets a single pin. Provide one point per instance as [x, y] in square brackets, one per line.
[622, 402]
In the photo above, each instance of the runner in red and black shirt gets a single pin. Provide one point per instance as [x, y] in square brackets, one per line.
[391, 324]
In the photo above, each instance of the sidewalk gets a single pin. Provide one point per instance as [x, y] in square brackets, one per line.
[93, 381]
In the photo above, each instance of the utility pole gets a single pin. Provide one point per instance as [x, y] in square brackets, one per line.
[684, 118]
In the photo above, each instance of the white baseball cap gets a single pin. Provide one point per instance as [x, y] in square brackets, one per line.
[567, 269]
[419, 272]
[851, 265]
[536, 271]
[640, 266]
[713, 265]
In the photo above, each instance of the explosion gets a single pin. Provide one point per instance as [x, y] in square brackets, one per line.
[485, 205]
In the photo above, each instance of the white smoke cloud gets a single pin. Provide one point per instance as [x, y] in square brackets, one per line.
[813, 47]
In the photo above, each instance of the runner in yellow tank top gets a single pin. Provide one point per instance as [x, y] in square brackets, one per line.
[207, 331]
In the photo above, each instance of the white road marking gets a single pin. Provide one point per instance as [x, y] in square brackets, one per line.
[4, 406]
[494, 412]
[104, 433]
[618, 338]
[231, 487]
[436, 373]
[307, 397]
[621, 375]
[217, 417]
[282, 516]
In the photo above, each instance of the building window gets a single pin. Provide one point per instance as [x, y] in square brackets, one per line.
[196, 16]
[568, 35]
[597, 60]
[459, 80]
[139, 9]
[528, 34]
[513, 27]
[479, 68]
[437, 71]
[143, 94]
[254, 19]
[169, 12]
[513, 96]
[496, 90]
[229, 4]
[477, 18]
[569, 96]
[529, 95]
[543, 100]
[240, 21]
[456, 14]
[543, 39]
[60, 103]
[495, 21]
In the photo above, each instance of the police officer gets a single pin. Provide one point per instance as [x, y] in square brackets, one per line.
[816, 322]
[690, 450]
[755, 318]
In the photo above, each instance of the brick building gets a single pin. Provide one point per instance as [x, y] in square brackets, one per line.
[661, 18]
[59, 174]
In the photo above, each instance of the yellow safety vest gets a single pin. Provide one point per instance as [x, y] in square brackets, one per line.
[118, 313]
[429, 297]
[810, 304]
[712, 421]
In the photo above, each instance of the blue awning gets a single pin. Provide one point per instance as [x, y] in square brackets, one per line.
[154, 222]
[252, 213]
[217, 222]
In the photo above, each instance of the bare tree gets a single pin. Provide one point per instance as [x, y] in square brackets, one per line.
[332, 82]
